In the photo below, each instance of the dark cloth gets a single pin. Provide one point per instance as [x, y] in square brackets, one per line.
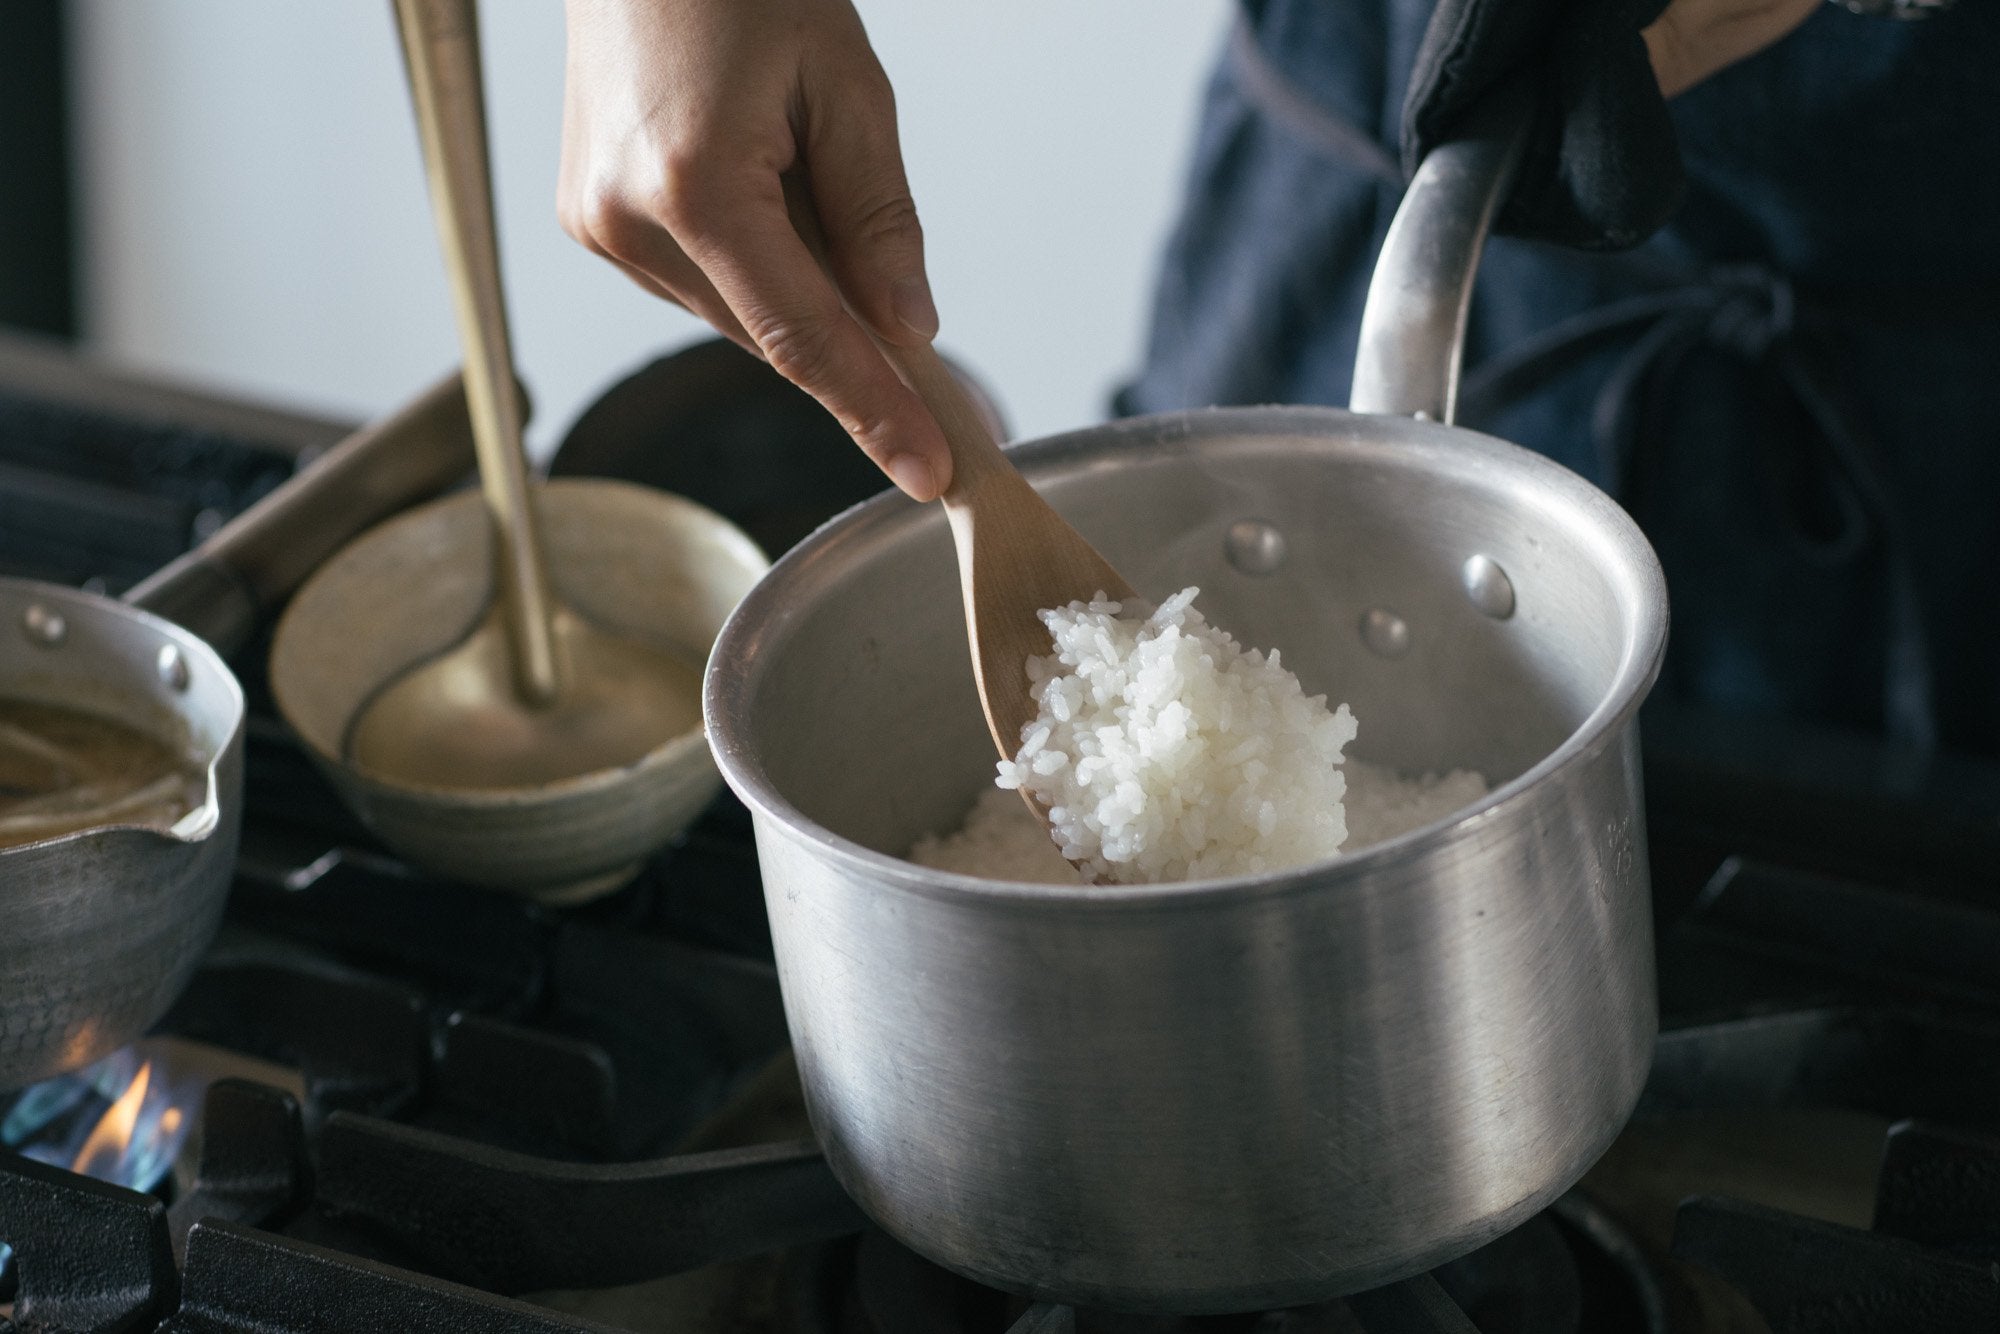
[1601, 170]
[1791, 385]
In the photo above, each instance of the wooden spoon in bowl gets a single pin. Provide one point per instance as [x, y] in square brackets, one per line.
[535, 694]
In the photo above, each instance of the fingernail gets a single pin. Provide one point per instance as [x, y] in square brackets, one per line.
[914, 476]
[911, 299]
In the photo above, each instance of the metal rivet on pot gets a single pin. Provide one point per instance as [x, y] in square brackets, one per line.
[1386, 634]
[1254, 547]
[205, 523]
[44, 625]
[173, 668]
[1488, 586]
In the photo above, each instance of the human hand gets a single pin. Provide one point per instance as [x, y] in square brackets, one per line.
[1692, 39]
[682, 122]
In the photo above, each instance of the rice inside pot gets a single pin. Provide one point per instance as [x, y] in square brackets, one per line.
[1000, 840]
[1163, 750]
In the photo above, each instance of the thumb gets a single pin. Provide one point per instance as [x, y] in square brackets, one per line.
[875, 244]
[1692, 39]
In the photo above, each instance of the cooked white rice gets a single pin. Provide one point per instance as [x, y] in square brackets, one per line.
[1162, 750]
[1382, 803]
[1000, 840]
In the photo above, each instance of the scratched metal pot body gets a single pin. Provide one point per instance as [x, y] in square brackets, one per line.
[1226, 1095]
[101, 928]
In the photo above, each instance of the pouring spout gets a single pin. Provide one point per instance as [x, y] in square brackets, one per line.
[199, 823]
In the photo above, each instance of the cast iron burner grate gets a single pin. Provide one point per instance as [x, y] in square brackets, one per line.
[1568, 1270]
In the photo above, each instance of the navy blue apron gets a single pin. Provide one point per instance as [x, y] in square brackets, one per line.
[1794, 387]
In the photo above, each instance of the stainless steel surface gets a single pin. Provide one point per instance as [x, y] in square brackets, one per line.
[103, 927]
[643, 562]
[1413, 323]
[1224, 1095]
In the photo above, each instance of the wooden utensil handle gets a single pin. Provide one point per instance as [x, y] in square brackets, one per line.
[975, 454]
[440, 40]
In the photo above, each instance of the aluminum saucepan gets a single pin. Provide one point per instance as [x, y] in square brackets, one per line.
[100, 928]
[1231, 1094]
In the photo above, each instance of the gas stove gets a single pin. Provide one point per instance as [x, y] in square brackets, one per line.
[388, 1102]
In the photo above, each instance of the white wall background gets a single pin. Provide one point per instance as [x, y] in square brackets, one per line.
[255, 219]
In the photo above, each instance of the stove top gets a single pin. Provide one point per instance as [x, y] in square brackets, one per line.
[387, 1102]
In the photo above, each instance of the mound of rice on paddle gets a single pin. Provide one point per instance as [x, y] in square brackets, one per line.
[1164, 751]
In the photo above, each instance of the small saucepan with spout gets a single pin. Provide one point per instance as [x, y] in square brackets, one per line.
[104, 914]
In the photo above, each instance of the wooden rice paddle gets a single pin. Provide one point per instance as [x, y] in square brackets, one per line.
[1016, 555]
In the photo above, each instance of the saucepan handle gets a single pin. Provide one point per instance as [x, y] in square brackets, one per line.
[253, 562]
[1413, 325]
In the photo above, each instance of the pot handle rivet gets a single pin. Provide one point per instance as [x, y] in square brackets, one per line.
[44, 625]
[1488, 586]
[1386, 634]
[1254, 547]
[173, 668]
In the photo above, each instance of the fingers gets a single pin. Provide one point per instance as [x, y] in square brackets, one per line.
[1692, 39]
[874, 241]
[718, 241]
[733, 223]
[681, 119]
[643, 252]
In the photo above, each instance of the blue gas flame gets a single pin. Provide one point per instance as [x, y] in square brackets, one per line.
[122, 1120]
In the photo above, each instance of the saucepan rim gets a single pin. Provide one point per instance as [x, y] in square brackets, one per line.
[731, 678]
[203, 822]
